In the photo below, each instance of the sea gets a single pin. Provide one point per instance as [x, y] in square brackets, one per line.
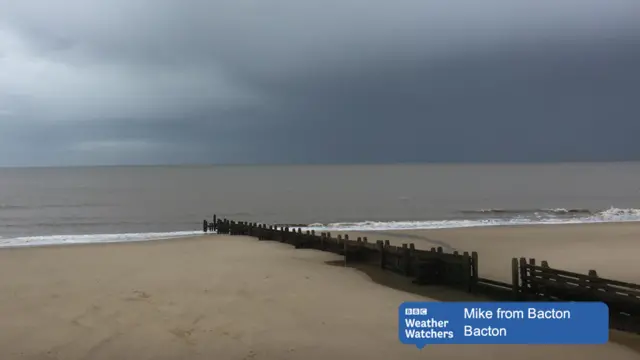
[48, 206]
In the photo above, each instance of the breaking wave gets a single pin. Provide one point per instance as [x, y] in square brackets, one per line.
[494, 217]
[91, 239]
[516, 218]
[558, 211]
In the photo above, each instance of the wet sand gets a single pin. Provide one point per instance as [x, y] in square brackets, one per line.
[215, 297]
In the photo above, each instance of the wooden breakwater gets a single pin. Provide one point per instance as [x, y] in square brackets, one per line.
[529, 281]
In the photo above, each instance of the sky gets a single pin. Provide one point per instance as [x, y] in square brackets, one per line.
[105, 82]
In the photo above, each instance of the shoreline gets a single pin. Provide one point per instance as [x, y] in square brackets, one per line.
[337, 229]
[103, 243]
[98, 242]
[194, 233]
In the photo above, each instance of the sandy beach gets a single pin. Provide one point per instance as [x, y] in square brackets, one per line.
[220, 297]
[609, 248]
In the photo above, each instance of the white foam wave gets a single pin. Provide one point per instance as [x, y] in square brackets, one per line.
[609, 215]
[91, 239]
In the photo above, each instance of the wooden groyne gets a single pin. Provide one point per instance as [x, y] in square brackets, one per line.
[529, 281]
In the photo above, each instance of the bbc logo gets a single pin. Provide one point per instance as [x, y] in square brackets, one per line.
[415, 311]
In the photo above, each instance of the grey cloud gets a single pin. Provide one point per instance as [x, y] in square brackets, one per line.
[337, 81]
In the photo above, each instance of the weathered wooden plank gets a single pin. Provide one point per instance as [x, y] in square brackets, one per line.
[585, 281]
[595, 293]
[494, 283]
[582, 276]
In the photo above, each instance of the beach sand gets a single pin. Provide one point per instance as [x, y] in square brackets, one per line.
[218, 297]
[609, 248]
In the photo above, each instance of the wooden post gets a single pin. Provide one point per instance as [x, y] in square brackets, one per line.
[543, 274]
[440, 251]
[298, 239]
[346, 249]
[515, 286]
[304, 239]
[205, 226]
[474, 268]
[381, 252]
[406, 260]
[215, 222]
[313, 240]
[387, 245]
[412, 252]
[594, 279]
[467, 271]
[533, 277]
[524, 281]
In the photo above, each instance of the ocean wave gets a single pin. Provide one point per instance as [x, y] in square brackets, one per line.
[558, 211]
[605, 216]
[47, 206]
[609, 215]
[71, 222]
[91, 239]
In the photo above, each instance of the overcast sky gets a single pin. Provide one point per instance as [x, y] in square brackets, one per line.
[331, 81]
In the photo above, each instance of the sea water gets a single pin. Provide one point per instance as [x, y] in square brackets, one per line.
[47, 206]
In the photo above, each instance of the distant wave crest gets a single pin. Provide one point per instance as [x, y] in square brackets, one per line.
[558, 211]
[516, 218]
[46, 206]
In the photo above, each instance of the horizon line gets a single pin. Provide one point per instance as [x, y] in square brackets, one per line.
[319, 164]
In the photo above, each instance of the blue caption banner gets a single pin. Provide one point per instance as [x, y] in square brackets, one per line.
[425, 323]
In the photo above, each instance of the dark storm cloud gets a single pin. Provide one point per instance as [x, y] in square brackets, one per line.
[335, 81]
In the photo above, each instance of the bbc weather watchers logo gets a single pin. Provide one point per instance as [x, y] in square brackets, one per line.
[415, 311]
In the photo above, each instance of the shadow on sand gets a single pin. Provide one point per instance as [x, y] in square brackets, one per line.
[402, 283]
